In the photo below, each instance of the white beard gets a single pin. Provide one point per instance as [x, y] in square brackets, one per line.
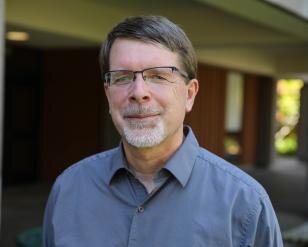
[144, 134]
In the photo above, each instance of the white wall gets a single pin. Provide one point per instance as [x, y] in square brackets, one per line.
[249, 60]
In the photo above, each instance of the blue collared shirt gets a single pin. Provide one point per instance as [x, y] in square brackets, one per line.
[201, 200]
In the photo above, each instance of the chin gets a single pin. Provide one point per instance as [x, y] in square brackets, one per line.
[145, 137]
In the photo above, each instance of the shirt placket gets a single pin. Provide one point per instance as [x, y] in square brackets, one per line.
[142, 198]
[134, 231]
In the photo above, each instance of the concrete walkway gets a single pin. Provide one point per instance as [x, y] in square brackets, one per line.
[285, 181]
[22, 208]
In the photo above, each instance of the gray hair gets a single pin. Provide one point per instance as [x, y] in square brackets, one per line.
[155, 29]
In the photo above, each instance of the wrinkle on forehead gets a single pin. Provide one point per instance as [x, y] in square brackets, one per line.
[126, 54]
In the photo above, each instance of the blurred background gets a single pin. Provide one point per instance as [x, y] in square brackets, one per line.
[252, 107]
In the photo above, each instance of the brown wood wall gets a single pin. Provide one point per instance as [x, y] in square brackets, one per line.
[207, 116]
[75, 120]
[72, 122]
[265, 118]
[72, 105]
[256, 135]
[249, 122]
[72, 112]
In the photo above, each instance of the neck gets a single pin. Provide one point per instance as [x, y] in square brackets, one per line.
[150, 160]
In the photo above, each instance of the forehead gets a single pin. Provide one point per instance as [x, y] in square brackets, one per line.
[136, 55]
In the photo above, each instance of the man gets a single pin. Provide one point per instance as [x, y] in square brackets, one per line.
[158, 188]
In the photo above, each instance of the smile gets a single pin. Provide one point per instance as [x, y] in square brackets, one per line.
[141, 116]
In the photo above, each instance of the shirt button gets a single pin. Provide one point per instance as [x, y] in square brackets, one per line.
[140, 209]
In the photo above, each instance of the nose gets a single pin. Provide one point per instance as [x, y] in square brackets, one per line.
[139, 90]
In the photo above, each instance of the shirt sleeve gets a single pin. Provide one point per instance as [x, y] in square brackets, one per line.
[48, 230]
[262, 228]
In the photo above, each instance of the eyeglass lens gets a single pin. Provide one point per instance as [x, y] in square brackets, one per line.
[152, 75]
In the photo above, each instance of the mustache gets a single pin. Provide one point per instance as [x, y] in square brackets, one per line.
[139, 109]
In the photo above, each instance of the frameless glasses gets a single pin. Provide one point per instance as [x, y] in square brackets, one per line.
[156, 75]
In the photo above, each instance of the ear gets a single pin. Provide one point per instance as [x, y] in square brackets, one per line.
[107, 93]
[192, 90]
[106, 88]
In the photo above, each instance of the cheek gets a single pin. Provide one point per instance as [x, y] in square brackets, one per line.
[116, 104]
[176, 93]
[179, 97]
[116, 100]
[175, 103]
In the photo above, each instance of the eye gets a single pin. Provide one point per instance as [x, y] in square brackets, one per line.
[120, 78]
[157, 77]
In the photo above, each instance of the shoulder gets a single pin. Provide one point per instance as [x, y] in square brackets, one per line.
[234, 190]
[221, 171]
[95, 166]
[93, 160]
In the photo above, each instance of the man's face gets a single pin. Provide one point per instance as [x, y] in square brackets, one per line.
[144, 113]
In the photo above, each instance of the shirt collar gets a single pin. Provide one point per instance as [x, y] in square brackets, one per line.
[117, 164]
[180, 164]
[183, 160]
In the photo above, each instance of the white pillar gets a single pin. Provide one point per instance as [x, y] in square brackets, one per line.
[1, 92]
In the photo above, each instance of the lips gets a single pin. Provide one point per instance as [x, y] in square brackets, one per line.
[140, 112]
[141, 116]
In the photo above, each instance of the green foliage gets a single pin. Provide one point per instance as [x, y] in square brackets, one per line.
[232, 145]
[287, 115]
[287, 145]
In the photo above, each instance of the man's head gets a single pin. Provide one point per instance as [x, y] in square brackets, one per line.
[148, 65]
[152, 29]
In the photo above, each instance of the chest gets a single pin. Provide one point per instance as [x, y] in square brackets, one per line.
[172, 216]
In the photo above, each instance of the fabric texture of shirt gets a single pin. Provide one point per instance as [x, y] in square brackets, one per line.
[200, 200]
